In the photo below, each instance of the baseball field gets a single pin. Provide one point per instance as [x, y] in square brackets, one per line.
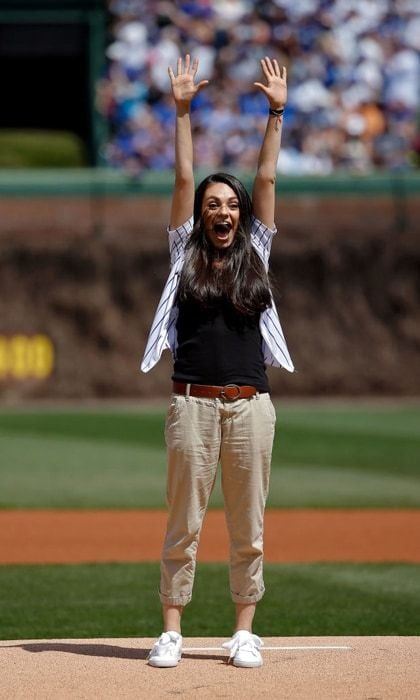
[82, 497]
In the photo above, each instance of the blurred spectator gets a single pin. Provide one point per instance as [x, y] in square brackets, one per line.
[353, 69]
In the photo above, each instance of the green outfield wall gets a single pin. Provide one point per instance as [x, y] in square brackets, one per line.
[106, 182]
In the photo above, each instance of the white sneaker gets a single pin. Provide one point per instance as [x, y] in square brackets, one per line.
[166, 652]
[244, 649]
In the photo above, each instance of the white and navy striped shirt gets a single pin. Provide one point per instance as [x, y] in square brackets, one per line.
[162, 335]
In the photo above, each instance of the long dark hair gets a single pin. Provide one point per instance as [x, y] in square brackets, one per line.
[242, 279]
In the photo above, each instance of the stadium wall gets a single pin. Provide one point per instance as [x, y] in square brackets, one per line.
[83, 263]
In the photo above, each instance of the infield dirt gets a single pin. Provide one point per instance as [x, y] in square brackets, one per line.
[57, 536]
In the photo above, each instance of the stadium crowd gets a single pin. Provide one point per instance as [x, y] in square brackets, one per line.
[353, 75]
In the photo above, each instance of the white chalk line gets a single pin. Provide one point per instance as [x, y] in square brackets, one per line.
[264, 648]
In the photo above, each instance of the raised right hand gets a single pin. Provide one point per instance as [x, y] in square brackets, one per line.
[184, 89]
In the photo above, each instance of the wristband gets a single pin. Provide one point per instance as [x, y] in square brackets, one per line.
[276, 112]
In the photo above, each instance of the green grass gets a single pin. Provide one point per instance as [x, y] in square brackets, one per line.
[120, 600]
[32, 148]
[324, 456]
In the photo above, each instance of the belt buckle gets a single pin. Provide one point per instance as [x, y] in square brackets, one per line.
[223, 394]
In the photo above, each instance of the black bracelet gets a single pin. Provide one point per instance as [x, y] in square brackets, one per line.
[276, 112]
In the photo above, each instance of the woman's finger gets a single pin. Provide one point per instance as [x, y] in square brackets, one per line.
[187, 64]
[284, 73]
[179, 66]
[202, 84]
[194, 67]
[265, 69]
[171, 74]
[269, 65]
[276, 68]
[262, 87]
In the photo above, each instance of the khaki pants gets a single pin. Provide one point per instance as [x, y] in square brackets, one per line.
[199, 434]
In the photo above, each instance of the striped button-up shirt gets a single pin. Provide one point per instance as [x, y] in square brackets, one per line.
[163, 332]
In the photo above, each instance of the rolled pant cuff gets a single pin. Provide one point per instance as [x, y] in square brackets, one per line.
[246, 599]
[175, 600]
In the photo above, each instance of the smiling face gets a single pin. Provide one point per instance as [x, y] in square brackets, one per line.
[220, 214]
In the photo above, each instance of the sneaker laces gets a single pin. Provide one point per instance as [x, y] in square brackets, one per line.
[243, 640]
[165, 644]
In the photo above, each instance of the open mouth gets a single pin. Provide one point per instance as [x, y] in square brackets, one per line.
[222, 228]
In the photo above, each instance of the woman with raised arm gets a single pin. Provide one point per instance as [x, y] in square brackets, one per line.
[217, 316]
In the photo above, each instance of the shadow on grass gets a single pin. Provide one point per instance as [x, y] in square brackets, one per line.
[104, 650]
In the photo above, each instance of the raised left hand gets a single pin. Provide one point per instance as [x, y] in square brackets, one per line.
[276, 88]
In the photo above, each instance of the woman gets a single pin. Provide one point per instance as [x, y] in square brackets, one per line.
[218, 318]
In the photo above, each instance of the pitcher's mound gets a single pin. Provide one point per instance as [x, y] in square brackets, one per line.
[295, 668]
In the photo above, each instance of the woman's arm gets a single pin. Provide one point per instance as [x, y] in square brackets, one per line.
[183, 90]
[263, 193]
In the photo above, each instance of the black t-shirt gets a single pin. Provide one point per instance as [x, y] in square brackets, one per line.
[218, 345]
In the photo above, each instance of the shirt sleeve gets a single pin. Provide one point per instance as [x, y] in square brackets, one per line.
[178, 238]
[262, 238]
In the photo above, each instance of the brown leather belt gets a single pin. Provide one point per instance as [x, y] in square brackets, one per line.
[230, 392]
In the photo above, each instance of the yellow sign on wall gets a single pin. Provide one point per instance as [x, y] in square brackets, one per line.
[26, 357]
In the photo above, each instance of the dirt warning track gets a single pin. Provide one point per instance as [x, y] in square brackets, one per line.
[57, 536]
